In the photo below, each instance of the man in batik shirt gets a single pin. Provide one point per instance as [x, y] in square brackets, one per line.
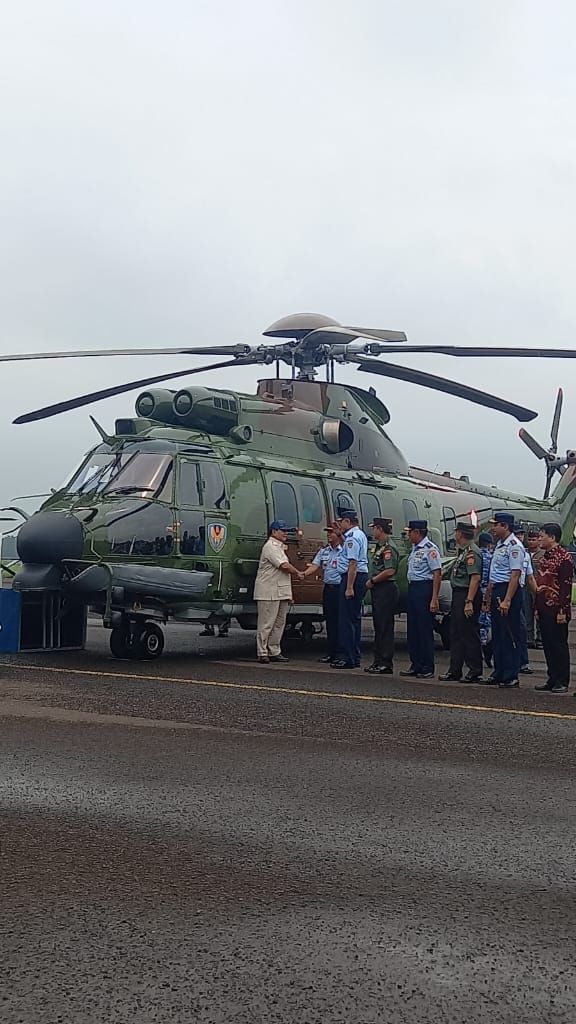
[553, 607]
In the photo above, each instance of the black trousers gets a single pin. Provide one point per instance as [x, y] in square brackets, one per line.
[350, 619]
[384, 601]
[331, 606]
[420, 627]
[556, 650]
[506, 634]
[465, 634]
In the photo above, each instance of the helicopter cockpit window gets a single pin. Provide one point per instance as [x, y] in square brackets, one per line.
[369, 510]
[312, 509]
[284, 502]
[143, 474]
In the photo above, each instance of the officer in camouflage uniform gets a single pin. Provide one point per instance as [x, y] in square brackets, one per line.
[466, 606]
[384, 592]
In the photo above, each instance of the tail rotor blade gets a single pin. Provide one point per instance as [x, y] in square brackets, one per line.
[533, 444]
[556, 421]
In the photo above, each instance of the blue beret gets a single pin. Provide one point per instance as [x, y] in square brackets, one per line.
[278, 524]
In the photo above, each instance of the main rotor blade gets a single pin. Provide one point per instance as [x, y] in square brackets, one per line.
[556, 421]
[534, 446]
[476, 352]
[449, 387]
[211, 350]
[119, 389]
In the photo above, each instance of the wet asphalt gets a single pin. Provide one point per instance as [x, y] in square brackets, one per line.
[203, 839]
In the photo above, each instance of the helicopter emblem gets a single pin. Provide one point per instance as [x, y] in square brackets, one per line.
[217, 533]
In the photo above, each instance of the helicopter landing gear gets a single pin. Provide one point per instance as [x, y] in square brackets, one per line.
[138, 641]
[443, 630]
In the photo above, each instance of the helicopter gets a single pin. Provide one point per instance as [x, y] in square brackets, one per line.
[165, 517]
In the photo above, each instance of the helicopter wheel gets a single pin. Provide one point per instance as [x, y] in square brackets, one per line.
[307, 632]
[150, 642]
[123, 643]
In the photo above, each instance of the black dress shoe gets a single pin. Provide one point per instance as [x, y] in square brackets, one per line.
[342, 664]
[263, 661]
[559, 689]
[409, 672]
[379, 670]
[508, 684]
[471, 678]
[545, 686]
[525, 670]
[327, 660]
[372, 669]
[424, 675]
[279, 657]
[447, 677]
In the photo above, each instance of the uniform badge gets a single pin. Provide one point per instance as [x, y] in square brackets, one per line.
[350, 544]
[470, 560]
[387, 554]
[217, 533]
[433, 554]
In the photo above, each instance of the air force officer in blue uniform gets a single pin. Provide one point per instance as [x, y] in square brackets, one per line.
[424, 580]
[503, 599]
[354, 566]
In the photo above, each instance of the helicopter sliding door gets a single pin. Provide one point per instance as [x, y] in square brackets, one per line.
[203, 514]
[298, 500]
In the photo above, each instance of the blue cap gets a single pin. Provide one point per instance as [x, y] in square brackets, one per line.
[278, 524]
[504, 518]
[418, 524]
[347, 513]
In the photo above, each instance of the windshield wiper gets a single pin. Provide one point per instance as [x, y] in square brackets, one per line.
[127, 490]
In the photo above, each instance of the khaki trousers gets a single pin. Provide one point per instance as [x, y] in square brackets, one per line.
[271, 622]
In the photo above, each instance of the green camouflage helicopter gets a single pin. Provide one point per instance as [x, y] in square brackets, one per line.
[165, 518]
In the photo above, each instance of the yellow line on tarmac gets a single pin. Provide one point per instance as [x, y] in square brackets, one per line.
[295, 692]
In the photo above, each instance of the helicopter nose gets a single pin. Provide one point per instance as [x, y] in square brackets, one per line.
[49, 537]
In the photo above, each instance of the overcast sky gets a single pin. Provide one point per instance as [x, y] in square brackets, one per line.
[189, 171]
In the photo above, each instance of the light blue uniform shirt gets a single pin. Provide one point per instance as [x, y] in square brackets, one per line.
[527, 569]
[356, 547]
[423, 561]
[507, 557]
[328, 559]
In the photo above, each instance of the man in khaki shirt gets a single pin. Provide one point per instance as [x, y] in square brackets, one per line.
[273, 592]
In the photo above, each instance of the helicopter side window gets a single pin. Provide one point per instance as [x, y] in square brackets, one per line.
[189, 493]
[284, 503]
[341, 499]
[449, 517]
[212, 483]
[312, 508]
[409, 510]
[369, 509]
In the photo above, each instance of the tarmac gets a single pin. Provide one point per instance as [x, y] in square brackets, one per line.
[206, 839]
